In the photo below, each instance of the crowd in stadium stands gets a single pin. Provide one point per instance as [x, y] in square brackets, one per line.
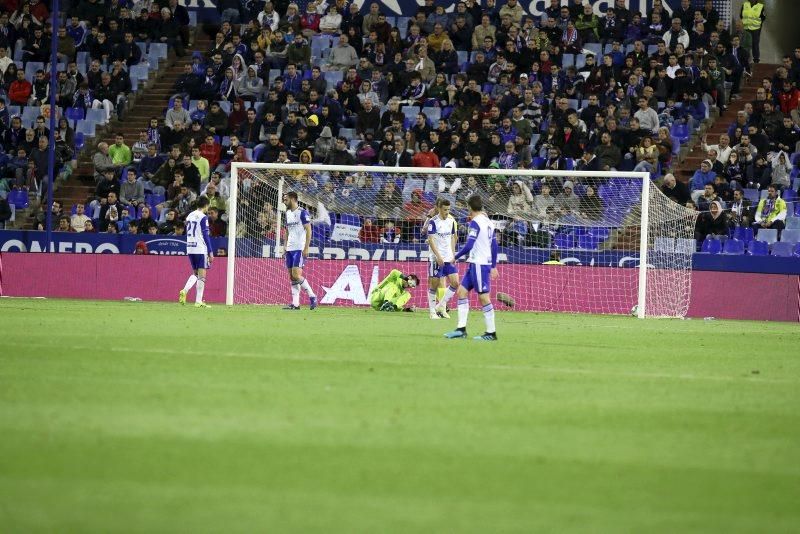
[481, 87]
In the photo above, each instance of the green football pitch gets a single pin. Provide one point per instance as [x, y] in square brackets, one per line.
[148, 417]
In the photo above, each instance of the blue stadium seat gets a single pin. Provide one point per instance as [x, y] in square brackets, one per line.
[350, 218]
[580, 61]
[152, 61]
[225, 106]
[86, 128]
[159, 50]
[410, 112]
[743, 233]
[433, 114]
[711, 246]
[796, 253]
[334, 77]
[790, 235]
[80, 141]
[139, 72]
[588, 242]
[30, 69]
[758, 248]
[594, 48]
[567, 60]
[18, 198]
[734, 246]
[347, 133]
[96, 115]
[782, 249]
[793, 223]
[564, 241]
[768, 235]
[142, 46]
[13, 110]
[751, 195]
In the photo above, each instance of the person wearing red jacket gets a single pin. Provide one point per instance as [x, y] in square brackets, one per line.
[416, 209]
[20, 90]
[309, 23]
[210, 150]
[789, 98]
[369, 233]
[425, 158]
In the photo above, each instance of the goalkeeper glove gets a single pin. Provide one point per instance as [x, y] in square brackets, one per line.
[388, 306]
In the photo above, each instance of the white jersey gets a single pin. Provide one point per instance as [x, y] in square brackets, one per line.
[481, 229]
[198, 240]
[442, 232]
[295, 221]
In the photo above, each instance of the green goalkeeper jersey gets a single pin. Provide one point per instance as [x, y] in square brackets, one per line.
[391, 289]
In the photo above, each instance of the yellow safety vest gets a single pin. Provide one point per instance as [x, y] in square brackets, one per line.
[751, 16]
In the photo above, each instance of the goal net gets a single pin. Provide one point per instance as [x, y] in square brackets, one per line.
[570, 241]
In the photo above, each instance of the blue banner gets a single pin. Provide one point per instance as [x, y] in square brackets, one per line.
[83, 243]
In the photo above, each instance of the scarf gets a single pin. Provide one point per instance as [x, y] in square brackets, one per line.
[769, 205]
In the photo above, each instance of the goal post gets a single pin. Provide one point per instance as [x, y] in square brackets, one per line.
[570, 241]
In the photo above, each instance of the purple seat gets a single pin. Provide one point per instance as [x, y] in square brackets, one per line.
[564, 241]
[782, 249]
[734, 246]
[711, 246]
[758, 248]
[743, 233]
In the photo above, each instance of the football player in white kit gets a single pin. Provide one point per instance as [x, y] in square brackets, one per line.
[298, 225]
[442, 231]
[481, 246]
[199, 250]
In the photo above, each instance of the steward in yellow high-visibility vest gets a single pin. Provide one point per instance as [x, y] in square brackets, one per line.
[753, 18]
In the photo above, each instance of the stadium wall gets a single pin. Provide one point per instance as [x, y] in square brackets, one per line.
[770, 297]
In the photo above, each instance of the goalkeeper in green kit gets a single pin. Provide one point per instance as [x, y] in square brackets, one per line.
[393, 292]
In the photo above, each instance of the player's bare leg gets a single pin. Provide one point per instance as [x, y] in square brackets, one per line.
[295, 276]
[305, 286]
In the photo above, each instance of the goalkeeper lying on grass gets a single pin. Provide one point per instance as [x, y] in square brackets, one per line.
[392, 293]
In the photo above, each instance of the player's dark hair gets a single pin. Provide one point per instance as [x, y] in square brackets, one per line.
[292, 195]
[475, 203]
[442, 202]
[415, 277]
[202, 202]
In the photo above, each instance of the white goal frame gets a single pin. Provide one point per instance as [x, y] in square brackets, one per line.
[234, 191]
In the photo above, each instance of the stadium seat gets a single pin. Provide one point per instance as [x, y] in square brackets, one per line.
[782, 249]
[141, 44]
[768, 235]
[792, 223]
[74, 115]
[433, 114]
[743, 233]
[30, 113]
[734, 246]
[97, 116]
[347, 133]
[567, 60]
[681, 131]
[86, 128]
[594, 48]
[789, 195]
[711, 245]
[751, 195]
[685, 246]
[796, 253]
[18, 198]
[790, 235]
[139, 72]
[159, 50]
[564, 241]
[410, 112]
[80, 141]
[225, 106]
[30, 69]
[574, 103]
[333, 77]
[588, 242]
[463, 56]
[758, 248]
[580, 61]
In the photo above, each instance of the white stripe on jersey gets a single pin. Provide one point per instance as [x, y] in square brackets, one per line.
[481, 253]
[442, 232]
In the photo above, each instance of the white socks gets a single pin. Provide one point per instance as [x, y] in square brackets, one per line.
[295, 293]
[463, 312]
[201, 286]
[190, 282]
[432, 300]
[448, 294]
[307, 288]
[488, 317]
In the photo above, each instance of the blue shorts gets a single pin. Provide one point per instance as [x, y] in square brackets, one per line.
[477, 278]
[435, 271]
[294, 258]
[198, 261]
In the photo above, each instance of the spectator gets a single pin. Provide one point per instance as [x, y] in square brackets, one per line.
[342, 56]
[79, 219]
[713, 222]
[369, 233]
[741, 210]
[675, 190]
[567, 203]
[131, 191]
[20, 90]
[700, 178]
[177, 114]
[120, 153]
